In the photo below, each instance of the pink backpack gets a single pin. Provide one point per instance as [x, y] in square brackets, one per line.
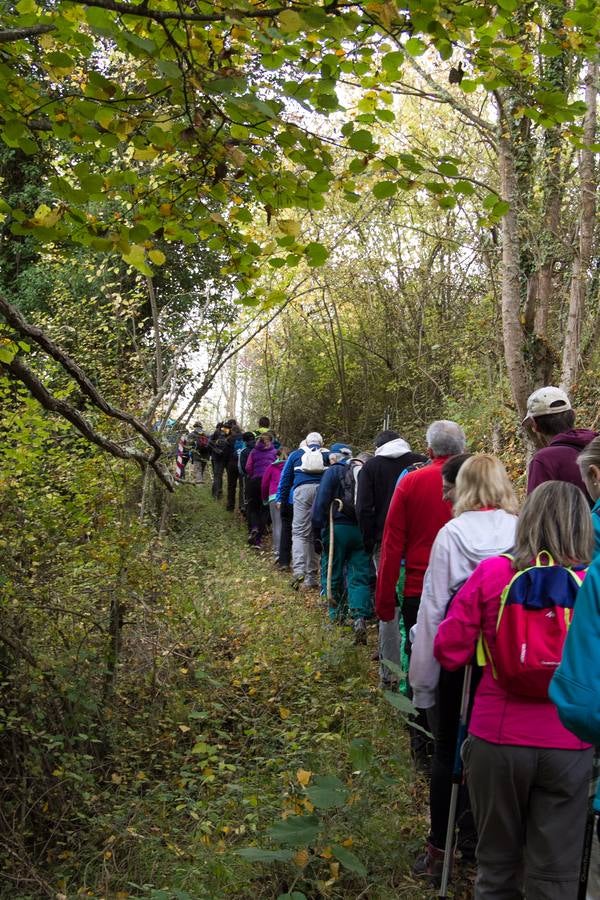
[535, 613]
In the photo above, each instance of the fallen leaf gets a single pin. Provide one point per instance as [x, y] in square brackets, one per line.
[303, 776]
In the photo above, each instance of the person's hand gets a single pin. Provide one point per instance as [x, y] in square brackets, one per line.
[278, 505]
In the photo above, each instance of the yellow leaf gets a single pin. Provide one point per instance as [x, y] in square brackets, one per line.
[158, 258]
[184, 728]
[334, 869]
[303, 776]
[326, 853]
[284, 713]
[301, 858]
[289, 227]
[308, 805]
[116, 779]
[348, 842]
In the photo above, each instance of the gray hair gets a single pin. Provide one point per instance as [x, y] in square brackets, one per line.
[555, 518]
[445, 438]
[589, 456]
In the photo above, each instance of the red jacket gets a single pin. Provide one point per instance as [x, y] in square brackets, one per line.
[416, 514]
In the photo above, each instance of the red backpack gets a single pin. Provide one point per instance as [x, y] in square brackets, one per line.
[535, 613]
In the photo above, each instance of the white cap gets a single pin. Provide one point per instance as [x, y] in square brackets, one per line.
[314, 437]
[547, 401]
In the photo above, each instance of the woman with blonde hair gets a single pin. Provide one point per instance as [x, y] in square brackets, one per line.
[484, 524]
[589, 466]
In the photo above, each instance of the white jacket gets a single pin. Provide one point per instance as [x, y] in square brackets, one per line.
[457, 551]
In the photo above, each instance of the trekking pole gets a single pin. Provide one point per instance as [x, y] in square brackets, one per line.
[457, 775]
[330, 599]
[590, 823]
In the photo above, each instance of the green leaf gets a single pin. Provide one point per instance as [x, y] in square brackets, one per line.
[391, 63]
[361, 754]
[327, 792]
[394, 667]
[290, 22]
[500, 208]
[384, 189]
[136, 257]
[316, 254]
[399, 701]
[255, 854]
[448, 169]
[415, 47]
[7, 355]
[348, 860]
[361, 140]
[295, 831]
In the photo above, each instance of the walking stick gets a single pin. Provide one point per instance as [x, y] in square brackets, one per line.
[330, 598]
[457, 776]
[590, 823]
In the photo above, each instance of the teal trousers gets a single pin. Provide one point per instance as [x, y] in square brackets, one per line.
[352, 576]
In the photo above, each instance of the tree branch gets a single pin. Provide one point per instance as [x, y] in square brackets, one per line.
[21, 373]
[141, 10]
[8, 35]
[16, 320]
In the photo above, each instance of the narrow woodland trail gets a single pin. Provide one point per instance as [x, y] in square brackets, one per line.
[280, 701]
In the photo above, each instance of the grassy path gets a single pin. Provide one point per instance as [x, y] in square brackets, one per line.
[279, 701]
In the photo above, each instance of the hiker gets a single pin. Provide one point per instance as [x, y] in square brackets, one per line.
[526, 774]
[235, 444]
[199, 451]
[378, 479]
[589, 466]
[286, 511]
[484, 524]
[264, 425]
[259, 460]
[248, 442]
[218, 457]
[350, 564]
[269, 485]
[416, 514]
[549, 414]
[182, 456]
[302, 474]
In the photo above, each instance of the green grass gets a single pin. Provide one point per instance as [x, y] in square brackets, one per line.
[244, 686]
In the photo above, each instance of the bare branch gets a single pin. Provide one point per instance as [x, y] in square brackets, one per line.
[8, 35]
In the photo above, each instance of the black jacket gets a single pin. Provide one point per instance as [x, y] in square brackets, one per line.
[376, 484]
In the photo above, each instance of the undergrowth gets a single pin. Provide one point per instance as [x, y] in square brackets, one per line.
[239, 715]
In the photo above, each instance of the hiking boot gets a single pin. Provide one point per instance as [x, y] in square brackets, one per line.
[429, 865]
[296, 582]
[359, 626]
[308, 586]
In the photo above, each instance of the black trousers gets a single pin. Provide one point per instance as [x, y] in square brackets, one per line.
[448, 699]
[257, 512]
[233, 476]
[218, 467]
[285, 544]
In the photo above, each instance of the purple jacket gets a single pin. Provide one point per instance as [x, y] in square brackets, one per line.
[558, 461]
[260, 459]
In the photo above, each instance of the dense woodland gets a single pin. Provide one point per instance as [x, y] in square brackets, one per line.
[348, 213]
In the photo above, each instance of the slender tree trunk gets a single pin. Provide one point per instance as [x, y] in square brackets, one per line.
[158, 373]
[582, 256]
[511, 285]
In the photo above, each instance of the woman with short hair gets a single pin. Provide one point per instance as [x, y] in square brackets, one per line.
[527, 775]
[484, 525]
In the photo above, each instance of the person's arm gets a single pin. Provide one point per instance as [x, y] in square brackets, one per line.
[287, 479]
[537, 473]
[458, 634]
[392, 553]
[324, 498]
[365, 509]
[424, 670]
[250, 464]
[264, 484]
[575, 687]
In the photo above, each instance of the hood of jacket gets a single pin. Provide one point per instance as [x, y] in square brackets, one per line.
[578, 438]
[259, 447]
[479, 534]
[393, 449]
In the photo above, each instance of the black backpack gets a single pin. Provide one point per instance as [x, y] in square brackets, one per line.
[348, 488]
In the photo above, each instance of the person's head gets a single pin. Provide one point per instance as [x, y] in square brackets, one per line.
[589, 465]
[556, 518]
[312, 438]
[197, 425]
[549, 411]
[450, 470]
[248, 437]
[384, 437]
[482, 481]
[266, 439]
[283, 453]
[445, 438]
[340, 451]
[264, 422]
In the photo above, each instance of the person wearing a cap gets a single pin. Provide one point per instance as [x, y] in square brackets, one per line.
[303, 485]
[549, 413]
[351, 565]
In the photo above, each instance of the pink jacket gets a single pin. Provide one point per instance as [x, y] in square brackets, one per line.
[271, 478]
[497, 717]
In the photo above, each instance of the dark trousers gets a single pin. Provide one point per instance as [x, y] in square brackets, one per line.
[448, 699]
[218, 467]
[256, 510]
[285, 543]
[421, 746]
[529, 805]
[233, 476]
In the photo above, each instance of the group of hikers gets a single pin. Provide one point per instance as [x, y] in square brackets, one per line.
[500, 612]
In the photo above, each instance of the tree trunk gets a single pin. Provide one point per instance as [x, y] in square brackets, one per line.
[582, 256]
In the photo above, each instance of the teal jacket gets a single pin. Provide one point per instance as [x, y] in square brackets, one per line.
[575, 687]
[596, 524]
